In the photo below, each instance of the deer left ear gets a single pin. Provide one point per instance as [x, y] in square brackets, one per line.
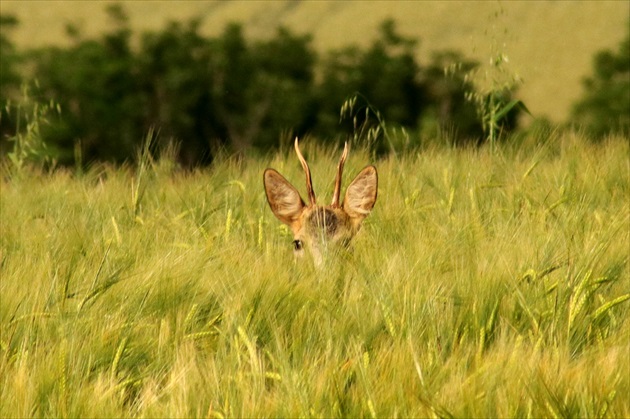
[361, 194]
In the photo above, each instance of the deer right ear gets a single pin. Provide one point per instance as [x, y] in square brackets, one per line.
[361, 194]
[284, 200]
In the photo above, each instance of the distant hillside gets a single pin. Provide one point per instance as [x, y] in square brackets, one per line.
[549, 44]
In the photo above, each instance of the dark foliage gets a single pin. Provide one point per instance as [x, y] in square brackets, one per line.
[9, 77]
[386, 76]
[209, 94]
[605, 105]
[447, 107]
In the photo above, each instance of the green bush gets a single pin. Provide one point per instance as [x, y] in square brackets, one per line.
[385, 75]
[9, 59]
[9, 80]
[98, 87]
[229, 93]
[605, 105]
[177, 76]
[448, 108]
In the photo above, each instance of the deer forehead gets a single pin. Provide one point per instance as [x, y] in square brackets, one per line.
[331, 221]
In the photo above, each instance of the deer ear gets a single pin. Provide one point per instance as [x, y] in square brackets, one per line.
[283, 198]
[361, 194]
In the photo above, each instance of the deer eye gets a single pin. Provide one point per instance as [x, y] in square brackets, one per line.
[297, 244]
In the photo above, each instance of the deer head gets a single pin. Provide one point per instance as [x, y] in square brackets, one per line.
[315, 226]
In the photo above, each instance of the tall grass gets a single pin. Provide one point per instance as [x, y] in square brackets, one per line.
[483, 284]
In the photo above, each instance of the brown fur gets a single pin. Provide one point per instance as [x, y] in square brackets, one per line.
[315, 226]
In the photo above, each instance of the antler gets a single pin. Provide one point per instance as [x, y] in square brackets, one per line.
[344, 156]
[309, 181]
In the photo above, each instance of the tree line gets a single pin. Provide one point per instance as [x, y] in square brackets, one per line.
[209, 94]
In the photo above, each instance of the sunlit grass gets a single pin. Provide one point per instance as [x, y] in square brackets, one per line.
[483, 284]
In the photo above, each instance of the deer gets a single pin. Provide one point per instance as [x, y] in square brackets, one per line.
[316, 227]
